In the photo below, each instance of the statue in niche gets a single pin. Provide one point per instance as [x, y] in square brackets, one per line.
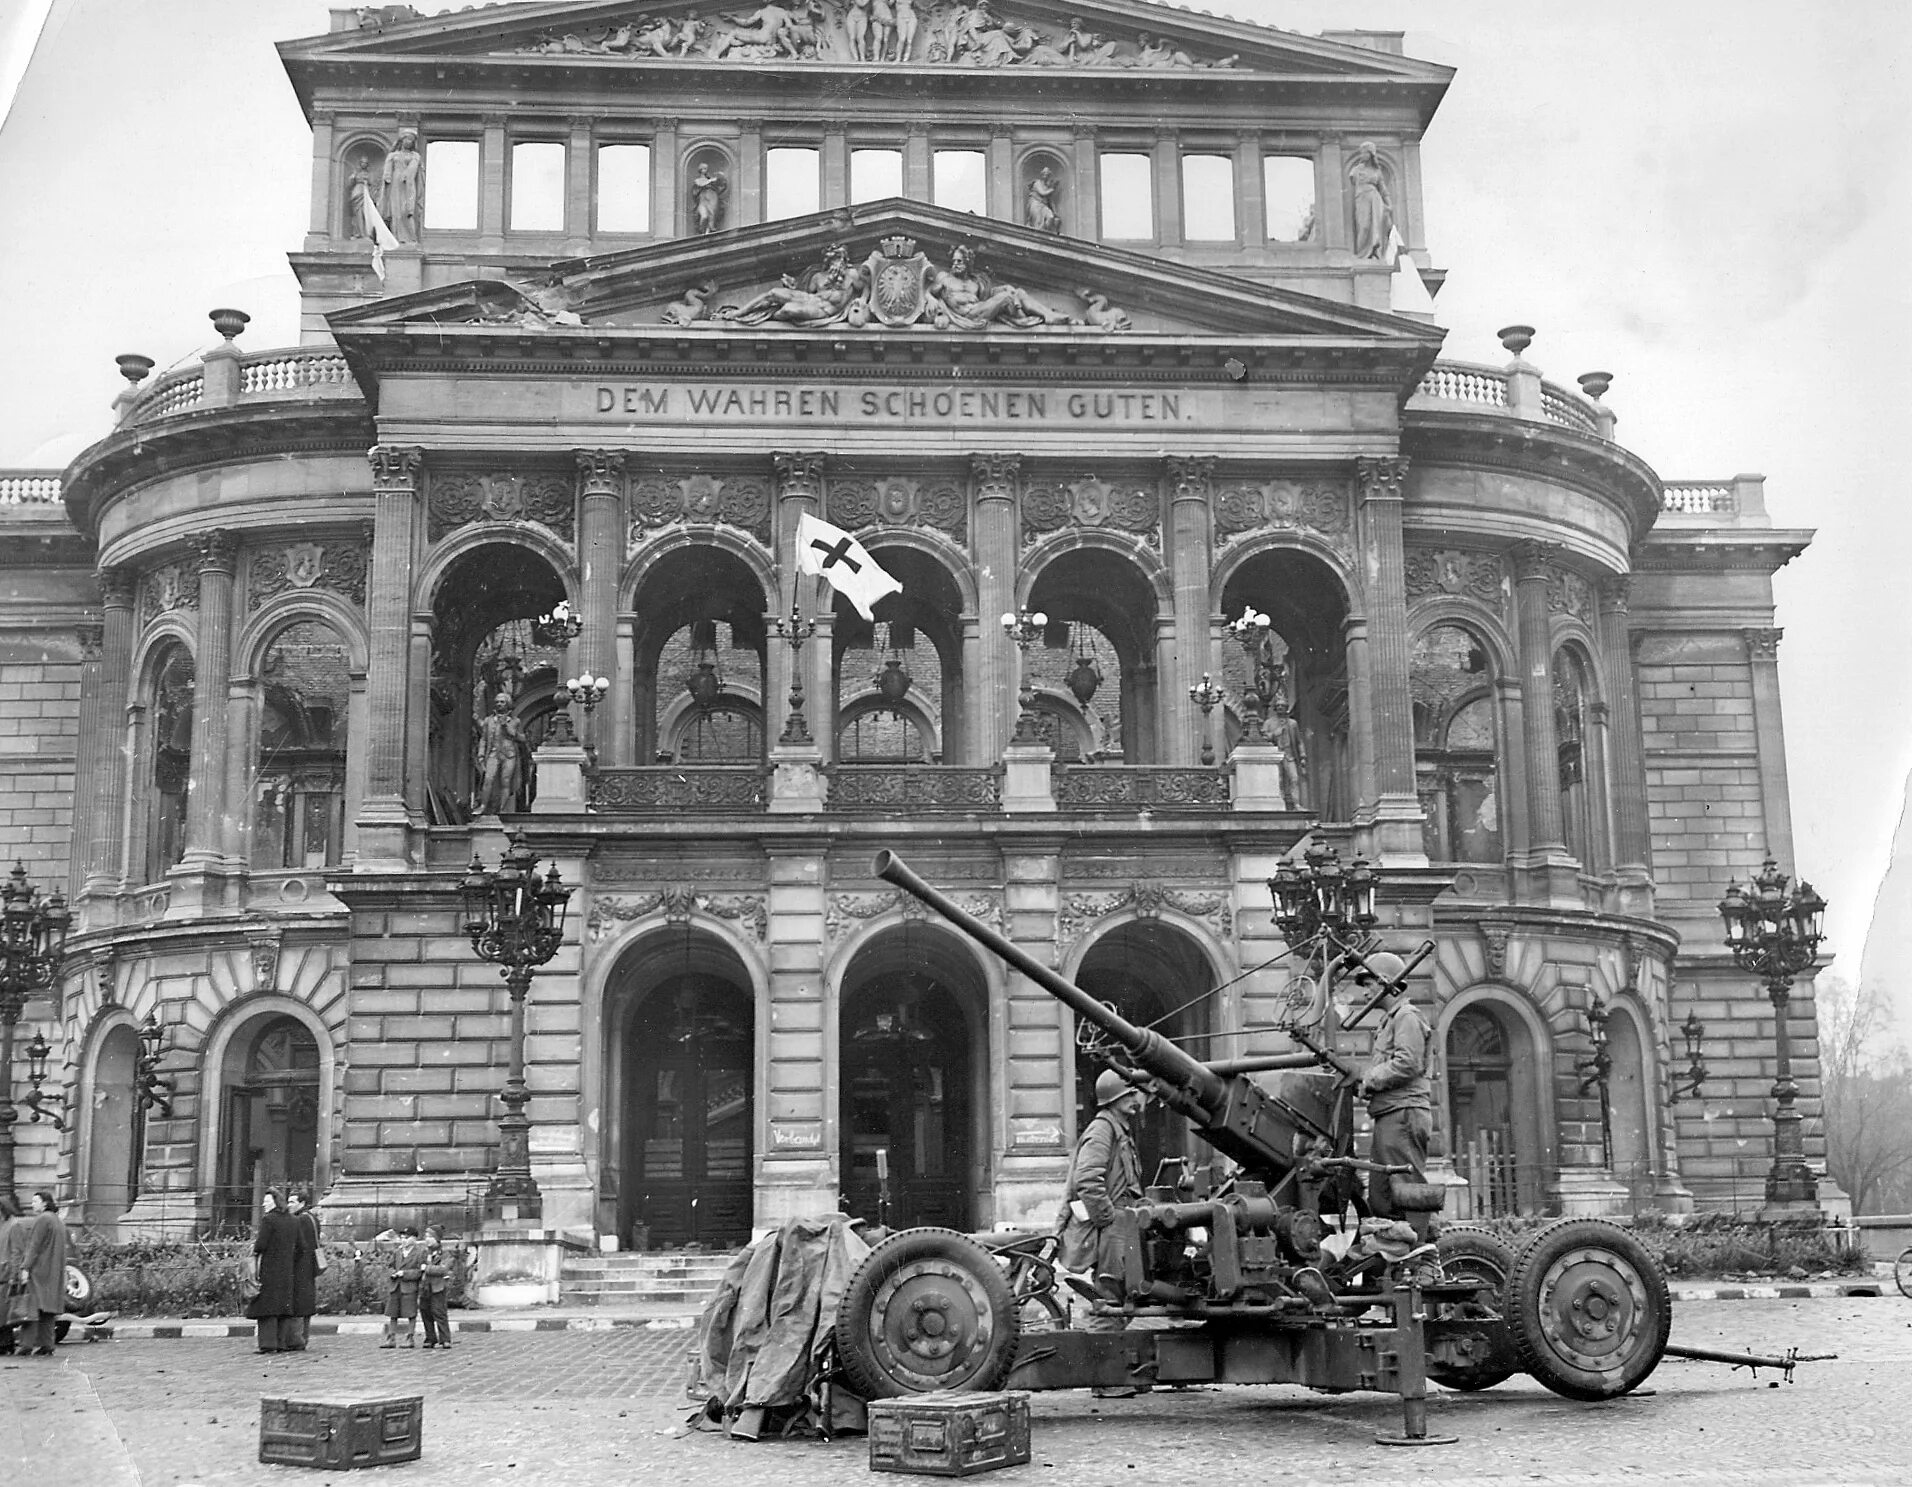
[971, 299]
[361, 201]
[1373, 212]
[504, 761]
[856, 29]
[1285, 734]
[1039, 207]
[822, 295]
[707, 191]
[401, 191]
[905, 12]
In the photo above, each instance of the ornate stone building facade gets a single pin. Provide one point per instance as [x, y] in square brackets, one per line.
[1085, 312]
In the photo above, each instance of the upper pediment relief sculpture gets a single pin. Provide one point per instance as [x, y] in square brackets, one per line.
[956, 34]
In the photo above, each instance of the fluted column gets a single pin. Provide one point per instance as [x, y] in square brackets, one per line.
[105, 841]
[212, 663]
[1382, 487]
[1361, 791]
[600, 557]
[1533, 567]
[1775, 796]
[992, 701]
[86, 756]
[395, 491]
[1632, 845]
[1191, 531]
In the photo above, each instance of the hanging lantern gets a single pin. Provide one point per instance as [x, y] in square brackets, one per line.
[704, 684]
[893, 681]
[1084, 679]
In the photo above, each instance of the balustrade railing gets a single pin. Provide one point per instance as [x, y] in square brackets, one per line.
[173, 394]
[1699, 498]
[316, 371]
[279, 371]
[1564, 408]
[651, 788]
[29, 487]
[1457, 382]
[1111, 787]
[929, 788]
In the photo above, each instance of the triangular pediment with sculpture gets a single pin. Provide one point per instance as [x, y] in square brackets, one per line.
[888, 268]
[1117, 35]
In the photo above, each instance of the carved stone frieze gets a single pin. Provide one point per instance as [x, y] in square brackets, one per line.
[458, 499]
[741, 501]
[1242, 508]
[1569, 593]
[265, 961]
[676, 904]
[846, 910]
[1763, 645]
[1381, 479]
[898, 501]
[335, 566]
[1049, 506]
[170, 587]
[1148, 898]
[1465, 574]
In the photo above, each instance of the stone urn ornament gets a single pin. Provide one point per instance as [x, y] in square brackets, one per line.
[1595, 384]
[229, 322]
[1516, 338]
[134, 367]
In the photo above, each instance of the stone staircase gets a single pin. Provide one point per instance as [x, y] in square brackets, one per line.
[649, 1280]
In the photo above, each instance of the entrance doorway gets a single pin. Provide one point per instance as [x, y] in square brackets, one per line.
[270, 1135]
[116, 1134]
[1491, 1100]
[906, 1102]
[688, 1115]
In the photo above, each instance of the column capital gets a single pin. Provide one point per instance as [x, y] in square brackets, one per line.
[1533, 561]
[1001, 129]
[580, 122]
[667, 123]
[1167, 134]
[1616, 589]
[602, 471]
[799, 474]
[92, 638]
[116, 587]
[919, 128]
[218, 553]
[1193, 476]
[1249, 137]
[1381, 479]
[1082, 129]
[396, 467]
[995, 475]
[494, 121]
[1763, 644]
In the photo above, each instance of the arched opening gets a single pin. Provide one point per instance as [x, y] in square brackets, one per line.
[684, 1038]
[269, 1134]
[912, 1059]
[1094, 670]
[1456, 746]
[698, 689]
[487, 645]
[170, 758]
[1628, 1109]
[1154, 976]
[898, 678]
[116, 1128]
[1572, 696]
[1492, 1103]
[298, 784]
[1302, 672]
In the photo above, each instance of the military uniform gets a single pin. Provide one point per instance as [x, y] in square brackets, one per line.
[1401, 1104]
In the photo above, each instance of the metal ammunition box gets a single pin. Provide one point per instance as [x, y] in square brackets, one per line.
[342, 1433]
[949, 1435]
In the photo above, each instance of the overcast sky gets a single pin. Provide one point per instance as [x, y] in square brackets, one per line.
[1707, 199]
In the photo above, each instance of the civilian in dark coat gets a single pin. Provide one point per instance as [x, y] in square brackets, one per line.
[42, 1248]
[277, 1251]
[13, 1233]
[305, 1276]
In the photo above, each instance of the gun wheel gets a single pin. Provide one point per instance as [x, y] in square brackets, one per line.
[928, 1309]
[1590, 1309]
[1483, 1356]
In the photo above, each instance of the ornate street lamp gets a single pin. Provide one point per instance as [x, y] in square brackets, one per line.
[32, 945]
[1775, 935]
[1321, 897]
[1694, 1032]
[151, 1088]
[1025, 627]
[559, 627]
[796, 631]
[39, 1051]
[516, 921]
[588, 691]
[1205, 695]
[1596, 1072]
[1251, 633]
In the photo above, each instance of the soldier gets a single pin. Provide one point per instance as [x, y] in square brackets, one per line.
[1104, 1175]
[1395, 1085]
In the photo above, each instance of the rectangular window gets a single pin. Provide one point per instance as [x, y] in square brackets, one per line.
[451, 184]
[1288, 186]
[537, 187]
[792, 183]
[1208, 198]
[1128, 197]
[624, 188]
[959, 181]
[875, 174]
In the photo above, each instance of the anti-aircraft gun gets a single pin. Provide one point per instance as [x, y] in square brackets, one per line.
[1260, 1278]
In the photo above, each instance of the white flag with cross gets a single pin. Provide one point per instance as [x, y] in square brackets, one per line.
[832, 554]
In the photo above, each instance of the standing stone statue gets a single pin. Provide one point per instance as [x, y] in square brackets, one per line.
[1285, 734]
[1039, 208]
[1373, 212]
[707, 191]
[503, 752]
[401, 195]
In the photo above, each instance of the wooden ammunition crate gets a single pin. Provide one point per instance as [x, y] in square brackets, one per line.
[950, 1434]
[341, 1433]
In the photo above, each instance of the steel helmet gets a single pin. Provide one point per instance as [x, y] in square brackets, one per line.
[1381, 966]
[1110, 1087]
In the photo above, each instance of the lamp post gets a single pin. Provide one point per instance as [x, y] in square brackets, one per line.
[32, 944]
[153, 1089]
[1320, 897]
[1025, 627]
[796, 631]
[588, 691]
[1775, 935]
[515, 921]
[1205, 695]
[1251, 633]
[1596, 1072]
[1694, 1032]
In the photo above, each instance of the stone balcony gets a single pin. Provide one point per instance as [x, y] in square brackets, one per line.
[228, 377]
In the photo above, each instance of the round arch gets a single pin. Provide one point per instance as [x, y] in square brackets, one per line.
[446, 552]
[1497, 1097]
[1632, 1083]
[658, 551]
[1476, 619]
[285, 610]
[1124, 545]
[1297, 541]
[109, 1145]
[937, 549]
[159, 759]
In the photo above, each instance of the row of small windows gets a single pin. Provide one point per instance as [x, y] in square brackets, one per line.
[793, 187]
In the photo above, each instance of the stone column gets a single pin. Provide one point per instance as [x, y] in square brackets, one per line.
[1398, 835]
[319, 229]
[1775, 797]
[992, 705]
[917, 184]
[579, 219]
[746, 201]
[803, 742]
[1005, 203]
[418, 703]
[396, 472]
[1516, 826]
[212, 666]
[1168, 187]
[491, 186]
[1632, 843]
[1191, 531]
[1251, 206]
[105, 843]
[797, 1134]
[1545, 847]
[835, 164]
[667, 193]
[1083, 216]
[86, 758]
[1032, 1082]
[600, 557]
[1362, 788]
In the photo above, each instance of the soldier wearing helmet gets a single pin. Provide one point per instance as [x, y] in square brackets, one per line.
[1395, 1085]
[1105, 1174]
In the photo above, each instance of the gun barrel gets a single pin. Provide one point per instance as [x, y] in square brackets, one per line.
[1151, 1050]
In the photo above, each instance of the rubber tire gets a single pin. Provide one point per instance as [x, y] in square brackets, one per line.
[79, 1290]
[1540, 1354]
[1474, 1252]
[1902, 1271]
[864, 1367]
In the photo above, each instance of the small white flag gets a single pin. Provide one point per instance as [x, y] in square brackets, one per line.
[1408, 291]
[382, 236]
[832, 554]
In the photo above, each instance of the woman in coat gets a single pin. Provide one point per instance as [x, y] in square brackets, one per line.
[277, 1250]
[305, 1274]
[42, 1254]
[12, 1232]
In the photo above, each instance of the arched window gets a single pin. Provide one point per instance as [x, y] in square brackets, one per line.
[298, 817]
[270, 1134]
[1456, 749]
[1571, 696]
[722, 673]
[889, 686]
[171, 758]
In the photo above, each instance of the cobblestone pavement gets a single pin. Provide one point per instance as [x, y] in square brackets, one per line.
[605, 1407]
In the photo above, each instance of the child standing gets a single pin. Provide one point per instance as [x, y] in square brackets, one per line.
[434, 1288]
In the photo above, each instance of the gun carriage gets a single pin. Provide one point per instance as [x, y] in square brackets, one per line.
[1260, 1278]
